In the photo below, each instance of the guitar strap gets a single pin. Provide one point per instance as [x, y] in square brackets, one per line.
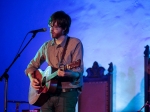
[63, 54]
[57, 78]
[64, 50]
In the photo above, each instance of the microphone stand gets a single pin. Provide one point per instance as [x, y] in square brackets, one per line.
[17, 104]
[6, 76]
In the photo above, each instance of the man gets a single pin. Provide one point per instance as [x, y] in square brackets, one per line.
[69, 81]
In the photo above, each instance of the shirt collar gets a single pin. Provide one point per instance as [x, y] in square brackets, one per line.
[62, 44]
[52, 42]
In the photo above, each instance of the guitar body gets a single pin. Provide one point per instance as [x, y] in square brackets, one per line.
[38, 98]
[47, 86]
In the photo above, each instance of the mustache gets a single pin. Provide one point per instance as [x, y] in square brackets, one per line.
[52, 32]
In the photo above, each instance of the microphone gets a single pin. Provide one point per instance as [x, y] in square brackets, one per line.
[38, 30]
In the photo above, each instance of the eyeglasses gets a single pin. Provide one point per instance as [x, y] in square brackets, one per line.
[54, 27]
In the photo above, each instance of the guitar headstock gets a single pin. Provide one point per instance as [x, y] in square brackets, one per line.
[74, 64]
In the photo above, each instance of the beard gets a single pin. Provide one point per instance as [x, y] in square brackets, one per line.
[56, 35]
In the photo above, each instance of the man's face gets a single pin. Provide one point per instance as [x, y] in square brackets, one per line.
[55, 30]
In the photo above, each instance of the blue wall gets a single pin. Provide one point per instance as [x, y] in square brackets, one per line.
[111, 31]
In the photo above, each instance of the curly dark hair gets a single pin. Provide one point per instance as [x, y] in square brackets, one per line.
[63, 20]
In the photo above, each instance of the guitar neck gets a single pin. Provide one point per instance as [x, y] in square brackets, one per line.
[49, 77]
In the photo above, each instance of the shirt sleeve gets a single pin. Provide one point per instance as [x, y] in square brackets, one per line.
[36, 61]
[78, 54]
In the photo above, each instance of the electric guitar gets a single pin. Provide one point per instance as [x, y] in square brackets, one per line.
[47, 86]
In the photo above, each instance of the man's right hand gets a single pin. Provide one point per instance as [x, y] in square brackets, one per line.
[34, 82]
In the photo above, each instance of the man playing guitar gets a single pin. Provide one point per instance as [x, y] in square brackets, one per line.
[58, 52]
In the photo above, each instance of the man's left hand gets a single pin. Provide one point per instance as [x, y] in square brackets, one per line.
[61, 73]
